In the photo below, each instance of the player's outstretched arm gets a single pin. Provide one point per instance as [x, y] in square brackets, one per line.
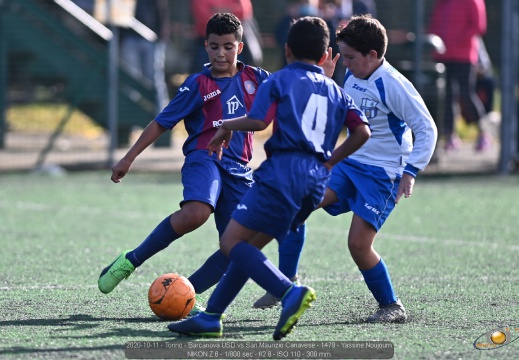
[353, 142]
[148, 136]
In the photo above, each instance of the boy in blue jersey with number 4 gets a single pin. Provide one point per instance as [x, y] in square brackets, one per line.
[308, 111]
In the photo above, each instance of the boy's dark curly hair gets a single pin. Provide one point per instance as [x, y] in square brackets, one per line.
[224, 24]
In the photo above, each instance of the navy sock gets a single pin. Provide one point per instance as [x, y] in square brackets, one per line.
[158, 240]
[210, 272]
[290, 250]
[379, 283]
[227, 289]
[252, 261]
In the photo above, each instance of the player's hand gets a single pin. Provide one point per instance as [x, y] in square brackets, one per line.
[406, 187]
[120, 169]
[221, 139]
[329, 64]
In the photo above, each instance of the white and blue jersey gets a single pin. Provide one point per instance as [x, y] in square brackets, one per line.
[395, 111]
[202, 102]
[367, 181]
[308, 111]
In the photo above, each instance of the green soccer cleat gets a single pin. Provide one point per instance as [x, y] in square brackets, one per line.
[295, 302]
[114, 273]
[198, 308]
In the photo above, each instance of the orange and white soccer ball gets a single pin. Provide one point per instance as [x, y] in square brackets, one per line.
[171, 297]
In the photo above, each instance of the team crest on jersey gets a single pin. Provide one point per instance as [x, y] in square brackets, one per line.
[233, 104]
[369, 108]
[249, 87]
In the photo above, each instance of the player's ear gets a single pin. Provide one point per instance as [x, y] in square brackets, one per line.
[240, 47]
[323, 58]
[372, 55]
[205, 44]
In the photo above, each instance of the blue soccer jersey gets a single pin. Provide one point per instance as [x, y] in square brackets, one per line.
[203, 102]
[307, 108]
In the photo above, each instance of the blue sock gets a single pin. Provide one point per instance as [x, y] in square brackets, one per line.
[379, 283]
[158, 240]
[227, 289]
[290, 250]
[253, 262]
[210, 272]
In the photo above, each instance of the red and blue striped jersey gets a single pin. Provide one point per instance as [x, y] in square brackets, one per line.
[203, 102]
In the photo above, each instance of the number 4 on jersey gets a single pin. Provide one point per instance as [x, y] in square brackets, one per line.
[314, 120]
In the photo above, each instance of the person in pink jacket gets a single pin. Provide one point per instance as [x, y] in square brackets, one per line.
[460, 23]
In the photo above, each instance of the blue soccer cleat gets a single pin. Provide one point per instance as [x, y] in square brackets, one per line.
[204, 324]
[295, 302]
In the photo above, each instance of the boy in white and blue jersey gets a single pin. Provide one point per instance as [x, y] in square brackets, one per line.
[371, 181]
[308, 111]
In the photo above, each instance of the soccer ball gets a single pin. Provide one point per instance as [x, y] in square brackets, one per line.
[171, 296]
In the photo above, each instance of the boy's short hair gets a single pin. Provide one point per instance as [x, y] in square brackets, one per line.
[364, 33]
[224, 24]
[308, 38]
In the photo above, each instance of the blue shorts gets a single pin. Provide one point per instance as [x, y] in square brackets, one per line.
[366, 190]
[220, 184]
[287, 187]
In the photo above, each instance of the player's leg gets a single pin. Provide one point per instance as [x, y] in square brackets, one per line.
[290, 251]
[236, 180]
[371, 265]
[378, 189]
[295, 299]
[289, 254]
[199, 174]
[209, 322]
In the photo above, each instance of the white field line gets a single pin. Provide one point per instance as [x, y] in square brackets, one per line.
[491, 245]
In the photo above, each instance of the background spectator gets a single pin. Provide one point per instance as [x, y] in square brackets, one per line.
[144, 55]
[460, 23]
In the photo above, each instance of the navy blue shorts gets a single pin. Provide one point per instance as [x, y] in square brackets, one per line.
[366, 190]
[220, 184]
[287, 188]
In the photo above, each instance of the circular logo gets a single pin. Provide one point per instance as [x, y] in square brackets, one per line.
[498, 337]
[249, 87]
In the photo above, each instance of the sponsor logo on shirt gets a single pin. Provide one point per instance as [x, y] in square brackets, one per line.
[249, 87]
[357, 87]
[212, 95]
[241, 207]
[182, 89]
[233, 104]
[369, 107]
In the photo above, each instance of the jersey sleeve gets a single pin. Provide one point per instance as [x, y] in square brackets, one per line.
[407, 104]
[185, 101]
[265, 103]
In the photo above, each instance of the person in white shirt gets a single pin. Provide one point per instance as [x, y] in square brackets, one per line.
[371, 181]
